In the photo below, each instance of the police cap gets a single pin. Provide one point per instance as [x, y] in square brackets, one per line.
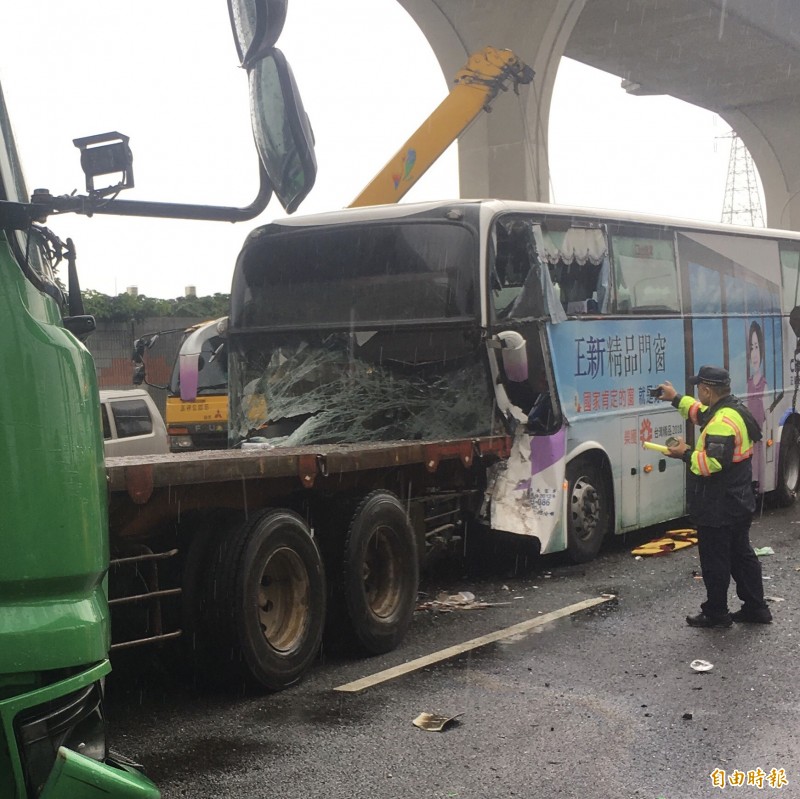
[711, 376]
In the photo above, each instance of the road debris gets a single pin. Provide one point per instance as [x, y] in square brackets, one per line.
[701, 665]
[774, 599]
[761, 551]
[463, 600]
[432, 722]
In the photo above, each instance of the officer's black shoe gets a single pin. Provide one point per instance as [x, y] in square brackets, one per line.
[759, 616]
[701, 620]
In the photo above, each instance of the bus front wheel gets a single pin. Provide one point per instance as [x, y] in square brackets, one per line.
[588, 510]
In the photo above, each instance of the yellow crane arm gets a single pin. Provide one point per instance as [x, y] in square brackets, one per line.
[486, 73]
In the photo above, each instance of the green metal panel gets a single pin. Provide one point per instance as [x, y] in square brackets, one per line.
[53, 611]
[12, 779]
[78, 777]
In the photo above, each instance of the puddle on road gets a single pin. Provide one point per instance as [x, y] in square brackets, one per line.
[318, 708]
[193, 757]
[266, 719]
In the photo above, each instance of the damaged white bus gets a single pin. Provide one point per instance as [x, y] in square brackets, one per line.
[441, 321]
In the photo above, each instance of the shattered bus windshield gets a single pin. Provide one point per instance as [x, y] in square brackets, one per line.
[353, 334]
[375, 273]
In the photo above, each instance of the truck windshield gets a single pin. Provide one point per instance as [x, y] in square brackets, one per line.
[212, 368]
[31, 247]
[13, 185]
[372, 274]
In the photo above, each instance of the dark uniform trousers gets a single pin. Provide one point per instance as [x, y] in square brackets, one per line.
[726, 552]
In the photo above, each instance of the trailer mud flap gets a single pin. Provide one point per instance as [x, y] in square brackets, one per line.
[527, 497]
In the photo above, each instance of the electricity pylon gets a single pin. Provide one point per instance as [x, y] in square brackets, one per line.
[742, 204]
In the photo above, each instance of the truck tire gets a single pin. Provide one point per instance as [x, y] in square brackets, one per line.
[380, 573]
[266, 597]
[588, 510]
[788, 466]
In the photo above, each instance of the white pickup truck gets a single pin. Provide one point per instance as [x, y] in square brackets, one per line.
[132, 424]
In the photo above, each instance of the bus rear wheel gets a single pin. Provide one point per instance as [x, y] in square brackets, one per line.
[788, 466]
[588, 510]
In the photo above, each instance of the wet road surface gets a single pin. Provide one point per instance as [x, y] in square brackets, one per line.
[599, 704]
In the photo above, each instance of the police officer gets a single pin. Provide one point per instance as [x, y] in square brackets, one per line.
[720, 496]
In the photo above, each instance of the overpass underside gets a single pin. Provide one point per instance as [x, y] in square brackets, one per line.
[738, 58]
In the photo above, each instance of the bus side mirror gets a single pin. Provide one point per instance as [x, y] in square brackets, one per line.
[794, 320]
[514, 352]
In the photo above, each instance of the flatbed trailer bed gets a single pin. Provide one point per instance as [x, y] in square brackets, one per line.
[248, 555]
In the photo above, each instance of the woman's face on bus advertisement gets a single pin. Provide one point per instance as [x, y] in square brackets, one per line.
[755, 353]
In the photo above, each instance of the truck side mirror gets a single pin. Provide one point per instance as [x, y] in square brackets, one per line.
[137, 359]
[282, 131]
[256, 24]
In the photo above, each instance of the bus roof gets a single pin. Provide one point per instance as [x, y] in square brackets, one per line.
[385, 212]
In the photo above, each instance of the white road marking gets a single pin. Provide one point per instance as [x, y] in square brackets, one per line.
[458, 649]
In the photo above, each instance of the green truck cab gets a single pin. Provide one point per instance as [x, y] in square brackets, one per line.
[54, 629]
[54, 617]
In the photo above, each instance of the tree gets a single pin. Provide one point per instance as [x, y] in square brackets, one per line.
[126, 307]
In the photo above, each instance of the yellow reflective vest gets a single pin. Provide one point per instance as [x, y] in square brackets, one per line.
[720, 480]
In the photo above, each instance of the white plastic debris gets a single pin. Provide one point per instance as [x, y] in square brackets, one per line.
[701, 665]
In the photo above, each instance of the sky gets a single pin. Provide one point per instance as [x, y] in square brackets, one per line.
[72, 68]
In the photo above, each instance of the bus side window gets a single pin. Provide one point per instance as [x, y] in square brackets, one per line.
[512, 264]
[579, 286]
[578, 260]
[790, 268]
[645, 274]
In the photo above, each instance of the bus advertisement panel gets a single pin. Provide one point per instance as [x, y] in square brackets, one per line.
[611, 306]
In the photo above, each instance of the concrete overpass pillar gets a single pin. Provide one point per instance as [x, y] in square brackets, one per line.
[769, 131]
[504, 153]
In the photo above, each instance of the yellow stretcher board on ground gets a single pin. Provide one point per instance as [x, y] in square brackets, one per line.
[672, 541]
